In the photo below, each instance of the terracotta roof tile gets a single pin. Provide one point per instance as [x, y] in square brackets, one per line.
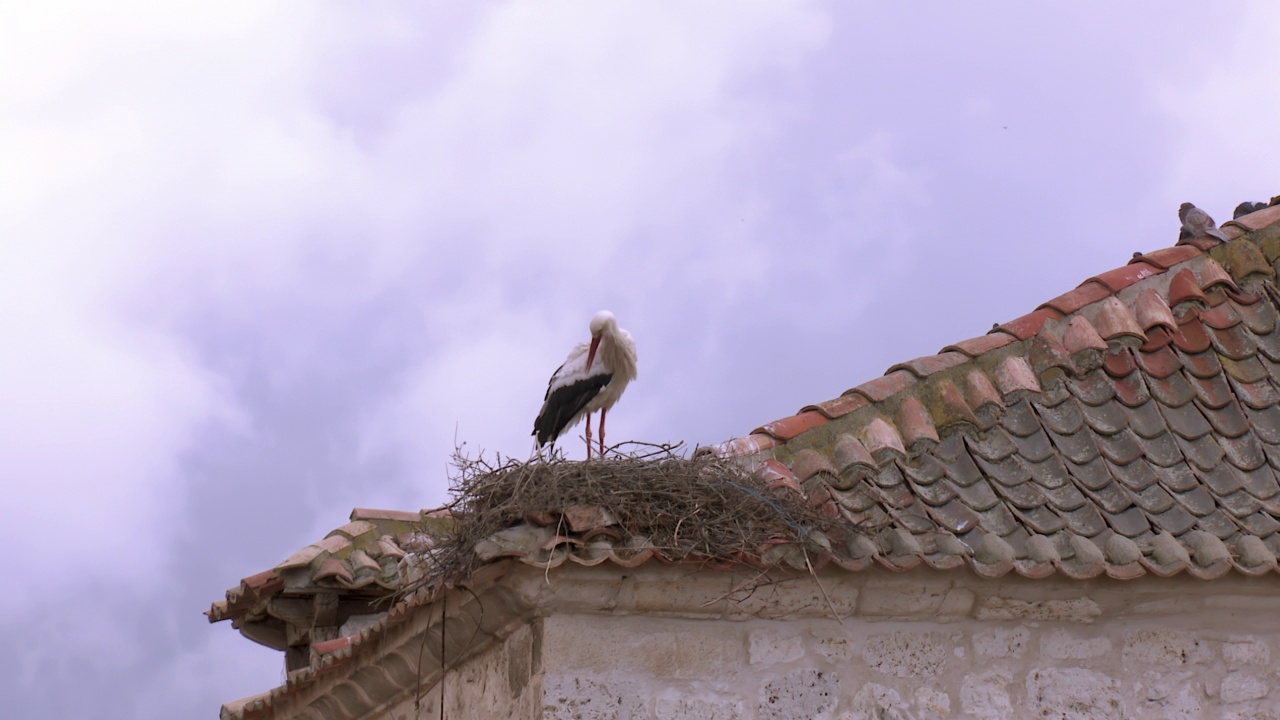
[1257, 220]
[789, 427]
[884, 387]
[1115, 323]
[1080, 336]
[1029, 324]
[1184, 288]
[1125, 275]
[1167, 257]
[880, 437]
[973, 347]
[1089, 292]
[838, 407]
[923, 367]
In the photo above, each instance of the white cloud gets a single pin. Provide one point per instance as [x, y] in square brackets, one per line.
[1223, 106]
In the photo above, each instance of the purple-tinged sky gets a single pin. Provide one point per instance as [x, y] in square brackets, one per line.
[266, 262]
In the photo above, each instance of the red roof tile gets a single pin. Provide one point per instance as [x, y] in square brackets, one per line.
[1167, 257]
[1125, 275]
[884, 387]
[1088, 293]
[789, 427]
[1029, 324]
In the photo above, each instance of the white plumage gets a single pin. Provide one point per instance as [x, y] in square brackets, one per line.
[592, 378]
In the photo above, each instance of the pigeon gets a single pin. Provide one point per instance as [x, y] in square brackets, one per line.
[1247, 207]
[1197, 223]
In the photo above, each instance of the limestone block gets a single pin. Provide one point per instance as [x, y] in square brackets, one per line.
[986, 695]
[900, 599]
[580, 698]
[1170, 696]
[1164, 647]
[1062, 645]
[799, 695]
[1073, 694]
[957, 604]
[1081, 610]
[908, 655]
[1001, 641]
[1256, 710]
[667, 649]
[768, 647]
[1241, 686]
[836, 649]
[1246, 653]
[877, 702]
[932, 703]
[686, 708]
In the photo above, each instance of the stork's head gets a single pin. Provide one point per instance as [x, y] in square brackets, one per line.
[600, 322]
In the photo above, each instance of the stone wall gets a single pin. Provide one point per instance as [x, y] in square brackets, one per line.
[923, 644]
[500, 682]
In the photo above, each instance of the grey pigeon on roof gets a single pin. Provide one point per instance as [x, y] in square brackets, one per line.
[1247, 207]
[1197, 223]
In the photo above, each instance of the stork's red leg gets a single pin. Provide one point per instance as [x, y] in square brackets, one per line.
[588, 436]
[602, 412]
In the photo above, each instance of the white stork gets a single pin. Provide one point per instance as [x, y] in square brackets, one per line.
[591, 378]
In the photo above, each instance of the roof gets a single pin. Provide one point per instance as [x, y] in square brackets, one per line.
[364, 558]
[1129, 426]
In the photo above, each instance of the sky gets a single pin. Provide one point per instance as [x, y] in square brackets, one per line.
[265, 262]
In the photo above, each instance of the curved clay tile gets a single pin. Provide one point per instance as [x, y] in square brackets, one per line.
[993, 549]
[1116, 324]
[1207, 548]
[1080, 336]
[884, 387]
[973, 347]
[1041, 549]
[1015, 377]
[951, 409]
[1244, 260]
[1152, 311]
[848, 452]
[838, 407]
[914, 423]
[1089, 292]
[776, 475]
[809, 462]
[1125, 275]
[982, 396]
[1167, 257]
[1212, 274]
[1184, 288]
[1047, 354]
[923, 367]
[1253, 553]
[786, 428]
[1087, 552]
[880, 437]
[1166, 551]
[1121, 550]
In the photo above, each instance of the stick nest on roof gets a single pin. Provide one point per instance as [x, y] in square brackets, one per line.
[703, 509]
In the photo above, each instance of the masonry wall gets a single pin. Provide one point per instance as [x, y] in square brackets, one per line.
[923, 645]
[501, 682]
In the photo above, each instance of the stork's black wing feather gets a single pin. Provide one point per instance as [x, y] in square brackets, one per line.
[563, 404]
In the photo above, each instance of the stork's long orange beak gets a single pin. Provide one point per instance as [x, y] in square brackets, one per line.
[591, 354]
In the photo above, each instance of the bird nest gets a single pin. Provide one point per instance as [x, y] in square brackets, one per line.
[701, 509]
